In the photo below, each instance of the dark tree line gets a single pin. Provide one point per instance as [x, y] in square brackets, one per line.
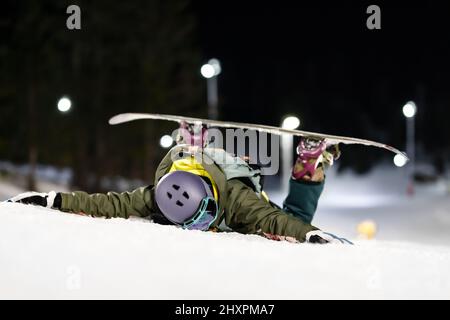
[137, 56]
[144, 56]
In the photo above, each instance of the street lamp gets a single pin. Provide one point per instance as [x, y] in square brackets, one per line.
[409, 111]
[207, 71]
[287, 145]
[290, 123]
[166, 141]
[399, 160]
[64, 104]
[210, 71]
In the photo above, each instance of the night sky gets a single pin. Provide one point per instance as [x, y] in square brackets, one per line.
[322, 63]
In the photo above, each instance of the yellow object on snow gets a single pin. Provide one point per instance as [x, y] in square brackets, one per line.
[367, 229]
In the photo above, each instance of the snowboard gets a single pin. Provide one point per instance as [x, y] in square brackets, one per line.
[329, 139]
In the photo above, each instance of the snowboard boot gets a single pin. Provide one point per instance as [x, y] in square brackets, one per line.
[193, 134]
[313, 157]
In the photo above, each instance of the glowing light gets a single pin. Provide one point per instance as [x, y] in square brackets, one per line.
[291, 123]
[216, 65]
[211, 69]
[64, 104]
[207, 71]
[409, 109]
[400, 160]
[166, 141]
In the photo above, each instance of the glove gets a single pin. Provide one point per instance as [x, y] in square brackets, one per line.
[320, 237]
[48, 200]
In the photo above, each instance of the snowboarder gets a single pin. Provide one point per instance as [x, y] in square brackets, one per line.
[197, 191]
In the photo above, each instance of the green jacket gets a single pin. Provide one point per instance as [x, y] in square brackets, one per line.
[239, 205]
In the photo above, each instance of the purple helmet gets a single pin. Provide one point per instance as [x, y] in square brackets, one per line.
[186, 199]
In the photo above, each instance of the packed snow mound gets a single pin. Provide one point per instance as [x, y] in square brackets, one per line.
[49, 254]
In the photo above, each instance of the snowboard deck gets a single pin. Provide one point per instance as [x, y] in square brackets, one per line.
[330, 139]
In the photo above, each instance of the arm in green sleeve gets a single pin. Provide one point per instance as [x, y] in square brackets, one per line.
[111, 205]
[246, 213]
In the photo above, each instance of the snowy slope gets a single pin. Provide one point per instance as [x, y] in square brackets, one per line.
[380, 196]
[48, 254]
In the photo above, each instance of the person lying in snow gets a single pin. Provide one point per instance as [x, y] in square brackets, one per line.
[196, 191]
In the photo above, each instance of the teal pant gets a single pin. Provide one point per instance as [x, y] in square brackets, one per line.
[303, 198]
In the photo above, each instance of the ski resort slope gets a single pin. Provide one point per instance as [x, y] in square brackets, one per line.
[47, 254]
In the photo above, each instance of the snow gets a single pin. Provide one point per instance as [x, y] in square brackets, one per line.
[380, 196]
[48, 254]
[60, 176]
[8, 190]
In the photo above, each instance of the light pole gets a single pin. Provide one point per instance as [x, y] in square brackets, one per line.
[409, 111]
[287, 144]
[210, 71]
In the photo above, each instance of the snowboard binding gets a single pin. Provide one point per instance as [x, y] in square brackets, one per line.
[313, 154]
